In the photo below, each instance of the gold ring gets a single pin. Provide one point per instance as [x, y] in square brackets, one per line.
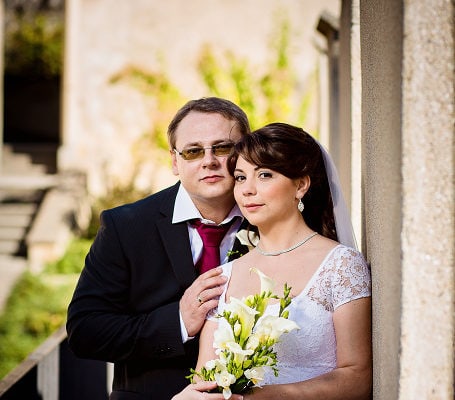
[199, 299]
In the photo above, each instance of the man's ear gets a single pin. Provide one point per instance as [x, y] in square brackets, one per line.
[303, 184]
[175, 169]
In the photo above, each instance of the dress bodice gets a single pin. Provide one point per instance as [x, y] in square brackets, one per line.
[343, 276]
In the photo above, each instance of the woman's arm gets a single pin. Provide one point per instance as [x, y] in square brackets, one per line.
[206, 350]
[352, 378]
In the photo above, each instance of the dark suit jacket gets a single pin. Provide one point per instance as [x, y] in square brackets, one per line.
[125, 308]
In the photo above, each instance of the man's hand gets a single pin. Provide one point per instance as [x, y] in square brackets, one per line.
[200, 298]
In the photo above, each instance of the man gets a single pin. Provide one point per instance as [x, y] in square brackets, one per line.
[139, 302]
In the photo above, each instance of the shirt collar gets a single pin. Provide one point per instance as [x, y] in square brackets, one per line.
[184, 209]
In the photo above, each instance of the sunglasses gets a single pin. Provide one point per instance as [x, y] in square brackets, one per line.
[196, 153]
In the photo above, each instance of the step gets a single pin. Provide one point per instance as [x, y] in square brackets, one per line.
[15, 221]
[17, 209]
[12, 232]
[9, 247]
[28, 182]
[21, 164]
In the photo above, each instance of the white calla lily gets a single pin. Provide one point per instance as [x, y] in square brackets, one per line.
[267, 283]
[273, 327]
[246, 317]
[223, 335]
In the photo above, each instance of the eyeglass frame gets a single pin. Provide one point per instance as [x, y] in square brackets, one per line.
[201, 155]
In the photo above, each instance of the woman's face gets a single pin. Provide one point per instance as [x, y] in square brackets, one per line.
[265, 196]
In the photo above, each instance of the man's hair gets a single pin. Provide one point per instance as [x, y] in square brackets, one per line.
[214, 105]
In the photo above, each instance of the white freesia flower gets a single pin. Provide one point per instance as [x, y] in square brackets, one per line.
[239, 353]
[224, 379]
[249, 239]
[253, 342]
[255, 374]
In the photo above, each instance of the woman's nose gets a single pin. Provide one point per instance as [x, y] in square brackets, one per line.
[248, 188]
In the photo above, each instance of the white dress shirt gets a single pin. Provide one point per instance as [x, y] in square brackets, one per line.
[185, 210]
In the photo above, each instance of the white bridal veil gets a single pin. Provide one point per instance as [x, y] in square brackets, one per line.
[343, 222]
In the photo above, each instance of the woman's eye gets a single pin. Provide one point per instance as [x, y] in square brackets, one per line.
[264, 175]
[239, 178]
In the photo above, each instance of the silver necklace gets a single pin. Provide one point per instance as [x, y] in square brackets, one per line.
[277, 253]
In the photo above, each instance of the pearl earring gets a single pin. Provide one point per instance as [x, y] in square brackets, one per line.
[300, 206]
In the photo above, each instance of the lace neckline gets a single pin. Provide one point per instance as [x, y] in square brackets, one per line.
[307, 286]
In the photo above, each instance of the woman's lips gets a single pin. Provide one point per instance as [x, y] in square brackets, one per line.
[252, 207]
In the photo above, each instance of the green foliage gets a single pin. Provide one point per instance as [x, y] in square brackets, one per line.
[166, 95]
[37, 306]
[267, 94]
[34, 46]
[73, 261]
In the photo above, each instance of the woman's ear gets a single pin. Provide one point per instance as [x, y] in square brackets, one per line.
[303, 184]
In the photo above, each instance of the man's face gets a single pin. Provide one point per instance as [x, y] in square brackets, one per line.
[206, 179]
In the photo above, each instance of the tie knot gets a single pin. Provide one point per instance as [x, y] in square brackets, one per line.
[211, 235]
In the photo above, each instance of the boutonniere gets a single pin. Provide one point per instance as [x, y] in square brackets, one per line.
[248, 238]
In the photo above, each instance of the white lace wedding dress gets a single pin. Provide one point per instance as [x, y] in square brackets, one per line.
[343, 276]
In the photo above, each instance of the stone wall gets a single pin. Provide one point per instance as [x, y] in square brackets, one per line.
[102, 121]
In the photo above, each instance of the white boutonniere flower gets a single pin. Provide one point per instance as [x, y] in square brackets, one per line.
[248, 238]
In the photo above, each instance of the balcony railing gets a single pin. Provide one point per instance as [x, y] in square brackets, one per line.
[53, 372]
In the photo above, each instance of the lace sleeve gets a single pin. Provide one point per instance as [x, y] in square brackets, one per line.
[344, 277]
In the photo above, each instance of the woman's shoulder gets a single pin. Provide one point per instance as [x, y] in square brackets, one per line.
[348, 253]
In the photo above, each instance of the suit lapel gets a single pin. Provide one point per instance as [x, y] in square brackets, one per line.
[176, 242]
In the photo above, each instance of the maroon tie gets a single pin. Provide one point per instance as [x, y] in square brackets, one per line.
[211, 236]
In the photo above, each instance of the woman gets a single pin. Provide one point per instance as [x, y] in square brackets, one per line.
[280, 176]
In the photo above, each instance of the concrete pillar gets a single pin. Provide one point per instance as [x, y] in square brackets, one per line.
[349, 140]
[408, 150]
[68, 157]
[328, 25]
[381, 48]
[2, 68]
[428, 227]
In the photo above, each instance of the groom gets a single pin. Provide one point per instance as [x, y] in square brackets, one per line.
[142, 296]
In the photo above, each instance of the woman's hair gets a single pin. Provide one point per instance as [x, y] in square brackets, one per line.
[213, 105]
[294, 153]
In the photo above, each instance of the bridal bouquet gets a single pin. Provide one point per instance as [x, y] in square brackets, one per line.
[245, 338]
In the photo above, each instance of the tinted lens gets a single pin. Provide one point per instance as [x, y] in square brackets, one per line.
[223, 149]
[192, 153]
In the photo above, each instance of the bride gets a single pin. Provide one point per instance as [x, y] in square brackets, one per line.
[286, 186]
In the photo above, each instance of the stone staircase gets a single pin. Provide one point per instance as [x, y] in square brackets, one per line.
[23, 184]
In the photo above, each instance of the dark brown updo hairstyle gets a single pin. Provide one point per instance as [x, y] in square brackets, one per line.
[294, 153]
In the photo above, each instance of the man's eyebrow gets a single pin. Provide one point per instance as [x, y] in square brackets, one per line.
[199, 144]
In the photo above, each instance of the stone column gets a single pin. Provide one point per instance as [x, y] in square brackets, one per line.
[2, 68]
[68, 158]
[349, 141]
[381, 49]
[408, 104]
[428, 237]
